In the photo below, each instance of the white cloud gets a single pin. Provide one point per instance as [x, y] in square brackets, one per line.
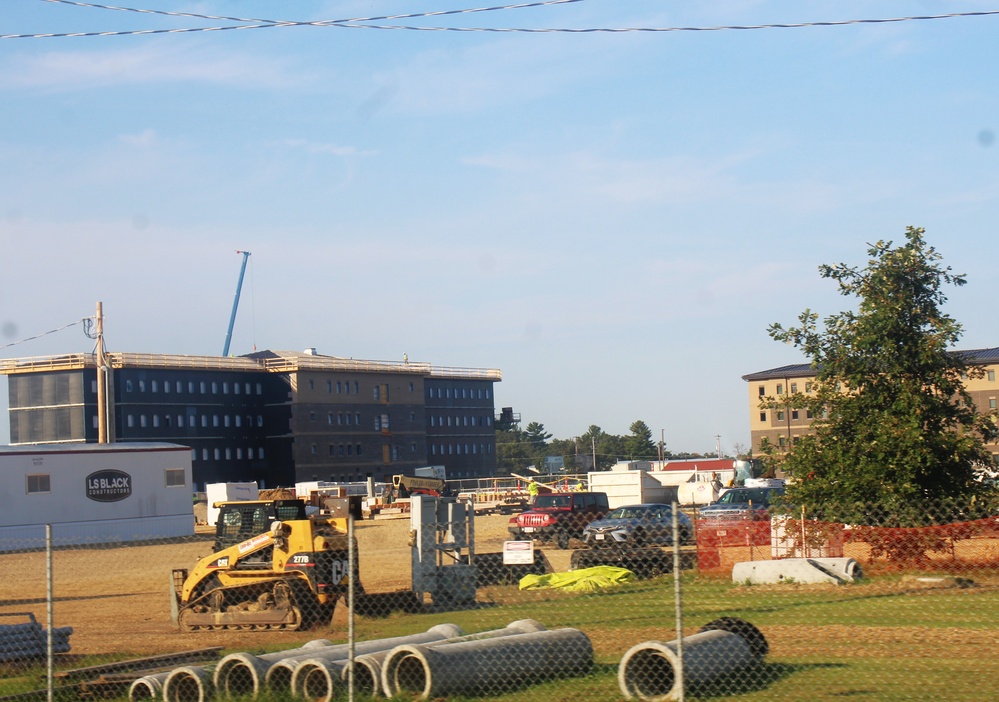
[153, 63]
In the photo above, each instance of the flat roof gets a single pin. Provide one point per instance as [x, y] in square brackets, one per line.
[975, 357]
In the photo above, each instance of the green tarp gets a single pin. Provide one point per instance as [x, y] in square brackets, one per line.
[585, 580]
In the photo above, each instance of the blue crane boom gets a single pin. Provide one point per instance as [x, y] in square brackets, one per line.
[235, 302]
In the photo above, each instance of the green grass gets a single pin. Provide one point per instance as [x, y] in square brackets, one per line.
[887, 638]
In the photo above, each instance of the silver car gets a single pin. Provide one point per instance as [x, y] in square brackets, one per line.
[648, 524]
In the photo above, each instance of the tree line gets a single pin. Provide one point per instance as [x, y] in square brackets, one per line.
[518, 448]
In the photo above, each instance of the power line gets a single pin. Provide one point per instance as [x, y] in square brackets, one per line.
[360, 23]
[51, 331]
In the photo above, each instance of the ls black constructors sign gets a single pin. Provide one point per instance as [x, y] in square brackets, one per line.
[109, 485]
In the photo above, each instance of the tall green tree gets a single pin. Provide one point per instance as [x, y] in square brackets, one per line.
[893, 423]
[639, 444]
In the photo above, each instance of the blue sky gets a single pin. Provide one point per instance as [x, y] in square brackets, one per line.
[613, 220]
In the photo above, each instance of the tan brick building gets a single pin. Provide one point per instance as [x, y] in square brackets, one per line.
[781, 427]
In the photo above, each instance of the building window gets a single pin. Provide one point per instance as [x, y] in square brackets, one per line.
[166, 387]
[128, 386]
[39, 483]
[794, 414]
[312, 384]
[218, 454]
[780, 388]
[174, 477]
[260, 421]
[235, 388]
[763, 416]
[180, 421]
[992, 376]
[142, 421]
[313, 449]
[154, 386]
[782, 441]
[312, 416]
[156, 420]
[329, 418]
[260, 453]
[357, 418]
[433, 449]
[329, 386]
[332, 450]
[249, 453]
[378, 392]
[340, 450]
[780, 415]
[794, 388]
[130, 420]
[385, 422]
[215, 420]
[350, 450]
[357, 388]
[357, 450]
[348, 419]
[228, 454]
[142, 386]
[190, 386]
[411, 387]
[992, 403]
[204, 454]
[239, 421]
[338, 387]
[204, 420]
[226, 420]
[215, 388]
[808, 387]
[239, 453]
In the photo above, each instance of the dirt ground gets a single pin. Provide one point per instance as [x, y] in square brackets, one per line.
[117, 599]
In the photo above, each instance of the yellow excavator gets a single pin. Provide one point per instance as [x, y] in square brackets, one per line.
[273, 567]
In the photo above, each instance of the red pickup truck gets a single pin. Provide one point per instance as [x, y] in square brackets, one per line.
[558, 517]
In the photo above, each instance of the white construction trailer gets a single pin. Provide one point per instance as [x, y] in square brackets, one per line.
[94, 493]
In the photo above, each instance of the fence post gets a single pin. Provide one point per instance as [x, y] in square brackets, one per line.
[678, 595]
[49, 655]
[351, 561]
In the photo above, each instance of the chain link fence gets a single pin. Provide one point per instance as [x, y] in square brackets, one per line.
[447, 606]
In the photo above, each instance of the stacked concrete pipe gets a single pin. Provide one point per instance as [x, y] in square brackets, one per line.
[486, 666]
[651, 671]
[278, 678]
[323, 676]
[245, 674]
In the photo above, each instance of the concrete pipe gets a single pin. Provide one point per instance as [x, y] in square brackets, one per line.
[278, 677]
[148, 687]
[650, 671]
[319, 678]
[188, 684]
[367, 673]
[243, 673]
[486, 666]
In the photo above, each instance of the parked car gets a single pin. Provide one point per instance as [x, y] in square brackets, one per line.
[558, 517]
[648, 524]
[742, 502]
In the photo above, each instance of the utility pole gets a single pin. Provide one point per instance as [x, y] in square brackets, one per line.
[718, 446]
[105, 430]
[593, 447]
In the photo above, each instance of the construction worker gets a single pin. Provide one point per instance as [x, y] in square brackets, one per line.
[579, 487]
[532, 489]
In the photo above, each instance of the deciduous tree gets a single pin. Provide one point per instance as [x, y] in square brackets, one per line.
[893, 423]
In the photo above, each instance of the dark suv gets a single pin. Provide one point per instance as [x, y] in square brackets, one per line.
[558, 517]
[741, 503]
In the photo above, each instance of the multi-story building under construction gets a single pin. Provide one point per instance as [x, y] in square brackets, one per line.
[276, 417]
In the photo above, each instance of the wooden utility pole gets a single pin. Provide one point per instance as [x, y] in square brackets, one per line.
[104, 435]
